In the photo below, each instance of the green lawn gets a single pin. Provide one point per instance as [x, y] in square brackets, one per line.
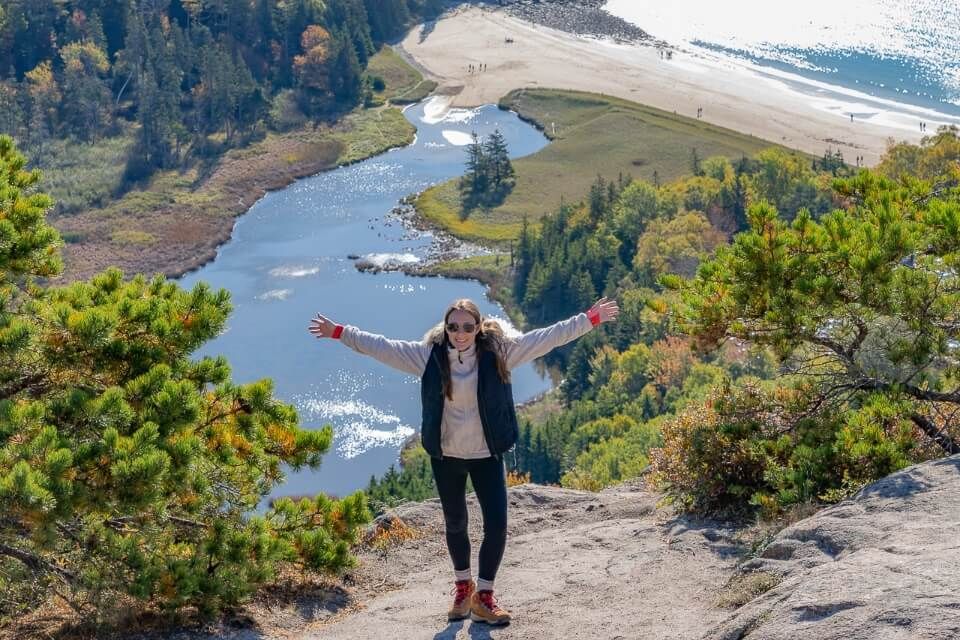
[590, 135]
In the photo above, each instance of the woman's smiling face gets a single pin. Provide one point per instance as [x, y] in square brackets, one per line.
[461, 320]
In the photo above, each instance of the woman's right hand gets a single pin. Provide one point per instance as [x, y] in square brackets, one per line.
[322, 327]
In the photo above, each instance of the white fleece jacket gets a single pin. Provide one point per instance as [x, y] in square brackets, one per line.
[461, 433]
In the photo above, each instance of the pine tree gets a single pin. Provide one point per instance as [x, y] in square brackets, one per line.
[598, 198]
[538, 464]
[524, 260]
[11, 112]
[475, 171]
[352, 18]
[387, 18]
[86, 98]
[523, 448]
[881, 321]
[582, 292]
[345, 75]
[125, 465]
[498, 159]
[695, 167]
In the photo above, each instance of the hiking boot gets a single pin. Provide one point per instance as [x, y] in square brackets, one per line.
[484, 608]
[462, 593]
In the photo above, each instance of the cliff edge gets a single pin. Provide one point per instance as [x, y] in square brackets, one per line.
[610, 565]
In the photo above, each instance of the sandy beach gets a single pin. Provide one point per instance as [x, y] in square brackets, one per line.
[520, 54]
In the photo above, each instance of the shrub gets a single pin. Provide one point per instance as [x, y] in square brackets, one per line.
[750, 448]
[285, 113]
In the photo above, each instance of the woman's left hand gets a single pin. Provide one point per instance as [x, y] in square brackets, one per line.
[606, 309]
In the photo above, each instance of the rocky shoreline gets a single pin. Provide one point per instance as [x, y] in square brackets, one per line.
[444, 247]
[579, 17]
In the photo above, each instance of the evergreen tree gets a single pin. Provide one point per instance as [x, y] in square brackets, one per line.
[183, 67]
[125, 466]
[489, 173]
[582, 292]
[881, 323]
[524, 260]
[387, 18]
[351, 18]
[346, 75]
[414, 482]
[497, 159]
[266, 34]
[86, 98]
[598, 198]
[695, 167]
[475, 177]
[12, 118]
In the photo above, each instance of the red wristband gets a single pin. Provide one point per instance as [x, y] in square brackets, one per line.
[337, 331]
[594, 316]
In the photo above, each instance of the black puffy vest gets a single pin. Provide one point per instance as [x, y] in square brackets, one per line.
[494, 400]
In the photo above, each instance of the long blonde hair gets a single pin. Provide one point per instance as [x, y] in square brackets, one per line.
[490, 337]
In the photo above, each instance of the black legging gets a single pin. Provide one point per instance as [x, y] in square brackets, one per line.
[489, 477]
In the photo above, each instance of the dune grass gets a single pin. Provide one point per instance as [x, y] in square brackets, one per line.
[590, 135]
[423, 89]
[404, 84]
[369, 132]
[441, 206]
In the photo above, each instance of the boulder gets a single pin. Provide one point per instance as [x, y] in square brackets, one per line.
[884, 564]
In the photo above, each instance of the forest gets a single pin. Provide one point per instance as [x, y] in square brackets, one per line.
[187, 79]
[788, 331]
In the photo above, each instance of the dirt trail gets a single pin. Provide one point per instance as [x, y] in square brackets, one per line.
[577, 565]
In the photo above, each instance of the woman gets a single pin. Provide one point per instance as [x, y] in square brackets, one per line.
[469, 421]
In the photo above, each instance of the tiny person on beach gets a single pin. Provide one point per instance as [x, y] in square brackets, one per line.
[469, 422]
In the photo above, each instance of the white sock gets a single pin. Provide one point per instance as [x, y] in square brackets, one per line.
[463, 574]
[484, 585]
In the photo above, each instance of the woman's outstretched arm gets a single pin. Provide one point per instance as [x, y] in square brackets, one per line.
[539, 342]
[407, 356]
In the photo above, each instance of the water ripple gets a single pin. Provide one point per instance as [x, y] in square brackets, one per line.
[293, 271]
[358, 426]
[275, 294]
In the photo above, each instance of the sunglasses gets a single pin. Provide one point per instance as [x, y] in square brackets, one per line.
[468, 327]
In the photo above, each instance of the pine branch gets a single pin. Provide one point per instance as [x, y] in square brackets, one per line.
[22, 384]
[948, 444]
[911, 390]
[36, 563]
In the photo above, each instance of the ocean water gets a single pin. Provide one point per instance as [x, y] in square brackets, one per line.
[904, 54]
